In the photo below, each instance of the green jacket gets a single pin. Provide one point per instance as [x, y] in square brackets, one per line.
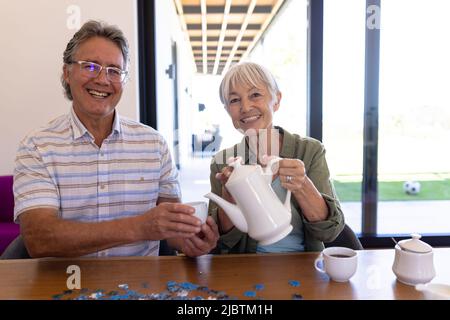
[312, 153]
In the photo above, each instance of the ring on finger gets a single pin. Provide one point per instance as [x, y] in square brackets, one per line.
[288, 179]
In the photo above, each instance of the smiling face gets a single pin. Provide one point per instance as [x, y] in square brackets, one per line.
[95, 98]
[252, 107]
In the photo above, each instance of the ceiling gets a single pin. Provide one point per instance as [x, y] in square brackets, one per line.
[222, 32]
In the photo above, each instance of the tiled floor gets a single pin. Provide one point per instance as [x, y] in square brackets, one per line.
[402, 217]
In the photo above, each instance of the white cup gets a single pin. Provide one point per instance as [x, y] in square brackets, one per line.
[201, 210]
[339, 263]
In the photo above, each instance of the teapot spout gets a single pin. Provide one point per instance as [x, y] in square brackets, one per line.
[232, 211]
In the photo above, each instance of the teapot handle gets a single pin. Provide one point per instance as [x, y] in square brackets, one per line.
[270, 162]
[235, 162]
[268, 171]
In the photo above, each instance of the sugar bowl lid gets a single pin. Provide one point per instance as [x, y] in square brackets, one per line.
[415, 244]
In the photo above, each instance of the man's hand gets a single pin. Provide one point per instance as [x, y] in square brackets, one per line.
[169, 220]
[202, 242]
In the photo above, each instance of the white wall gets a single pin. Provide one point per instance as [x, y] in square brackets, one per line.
[34, 35]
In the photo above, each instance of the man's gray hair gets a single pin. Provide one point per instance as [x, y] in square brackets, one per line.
[89, 30]
[249, 74]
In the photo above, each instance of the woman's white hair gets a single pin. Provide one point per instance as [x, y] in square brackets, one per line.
[248, 74]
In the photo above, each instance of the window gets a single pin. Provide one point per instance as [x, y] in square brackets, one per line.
[414, 117]
[343, 101]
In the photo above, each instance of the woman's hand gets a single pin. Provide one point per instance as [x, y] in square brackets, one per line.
[225, 222]
[292, 175]
[223, 178]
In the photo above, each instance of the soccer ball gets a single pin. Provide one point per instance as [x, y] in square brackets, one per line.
[411, 187]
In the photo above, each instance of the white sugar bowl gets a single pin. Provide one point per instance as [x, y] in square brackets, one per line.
[413, 263]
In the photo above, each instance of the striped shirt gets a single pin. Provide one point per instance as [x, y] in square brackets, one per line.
[60, 166]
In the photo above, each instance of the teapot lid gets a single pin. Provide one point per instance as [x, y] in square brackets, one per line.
[415, 245]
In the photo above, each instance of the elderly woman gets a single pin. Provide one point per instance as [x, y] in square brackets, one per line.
[250, 95]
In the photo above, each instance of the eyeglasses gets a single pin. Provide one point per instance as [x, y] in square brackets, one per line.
[92, 70]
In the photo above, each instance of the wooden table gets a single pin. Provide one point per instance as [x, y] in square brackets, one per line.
[234, 275]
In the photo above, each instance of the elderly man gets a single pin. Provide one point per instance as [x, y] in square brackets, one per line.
[93, 183]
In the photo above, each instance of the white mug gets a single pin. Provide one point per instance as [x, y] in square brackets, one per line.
[201, 210]
[339, 263]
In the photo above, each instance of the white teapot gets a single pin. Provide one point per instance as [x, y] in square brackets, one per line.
[413, 263]
[258, 212]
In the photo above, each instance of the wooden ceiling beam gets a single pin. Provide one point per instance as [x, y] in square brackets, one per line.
[204, 34]
[217, 26]
[244, 27]
[211, 38]
[275, 9]
[192, 9]
[220, 30]
[223, 31]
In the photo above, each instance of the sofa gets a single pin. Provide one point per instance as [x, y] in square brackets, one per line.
[8, 229]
